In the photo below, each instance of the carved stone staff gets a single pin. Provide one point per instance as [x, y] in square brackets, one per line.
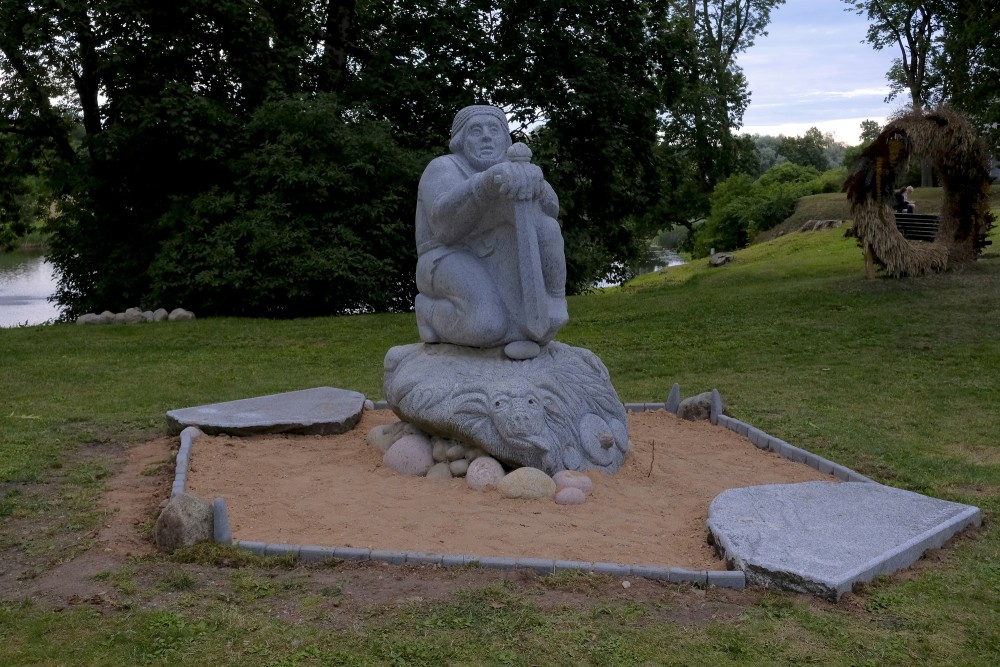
[529, 260]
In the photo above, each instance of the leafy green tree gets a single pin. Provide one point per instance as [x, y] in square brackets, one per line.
[700, 148]
[768, 152]
[170, 97]
[910, 26]
[808, 150]
[966, 69]
[15, 221]
[584, 84]
[870, 130]
[298, 232]
[742, 207]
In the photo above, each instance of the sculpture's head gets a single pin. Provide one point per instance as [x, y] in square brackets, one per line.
[481, 134]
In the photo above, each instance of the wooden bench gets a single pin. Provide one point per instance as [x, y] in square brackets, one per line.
[917, 227]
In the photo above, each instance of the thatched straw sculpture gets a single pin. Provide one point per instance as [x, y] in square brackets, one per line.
[945, 138]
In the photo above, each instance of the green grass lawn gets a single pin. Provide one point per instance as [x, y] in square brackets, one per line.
[898, 379]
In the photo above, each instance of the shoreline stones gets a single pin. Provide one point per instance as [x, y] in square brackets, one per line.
[136, 316]
[409, 451]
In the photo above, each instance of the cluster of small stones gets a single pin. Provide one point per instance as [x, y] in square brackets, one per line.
[135, 316]
[409, 451]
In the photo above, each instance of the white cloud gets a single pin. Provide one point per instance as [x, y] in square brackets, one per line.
[845, 130]
[880, 92]
[813, 70]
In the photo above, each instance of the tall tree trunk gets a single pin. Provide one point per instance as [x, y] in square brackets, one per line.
[338, 32]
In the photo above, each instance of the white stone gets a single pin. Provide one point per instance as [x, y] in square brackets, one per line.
[571, 479]
[410, 455]
[382, 436]
[459, 467]
[527, 483]
[570, 495]
[439, 471]
[439, 449]
[484, 471]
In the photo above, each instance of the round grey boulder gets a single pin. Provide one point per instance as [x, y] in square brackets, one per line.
[439, 449]
[484, 471]
[570, 495]
[180, 314]
[185, 521]
[572, 479]
[410, 455]
[526, 483]
[439, 471]
[384, 436]
[696, 408]
[89, 318]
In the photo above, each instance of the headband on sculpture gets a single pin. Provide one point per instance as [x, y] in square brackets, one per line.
[463, 116]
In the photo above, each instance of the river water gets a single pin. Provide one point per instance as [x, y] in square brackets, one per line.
[26, 283]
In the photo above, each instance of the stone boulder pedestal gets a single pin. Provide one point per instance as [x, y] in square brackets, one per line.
[555, 411]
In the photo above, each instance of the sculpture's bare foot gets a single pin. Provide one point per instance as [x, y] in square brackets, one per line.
[427, 334]
[522, 349]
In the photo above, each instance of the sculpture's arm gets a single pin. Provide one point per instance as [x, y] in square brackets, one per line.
[549, 201]
[453, 204]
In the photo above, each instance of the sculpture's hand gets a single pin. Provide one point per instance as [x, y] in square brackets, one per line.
[517, 181]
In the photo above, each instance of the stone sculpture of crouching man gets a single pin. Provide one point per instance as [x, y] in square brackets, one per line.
[491, 270]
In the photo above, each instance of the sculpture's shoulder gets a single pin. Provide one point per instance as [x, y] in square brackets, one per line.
[446, 168]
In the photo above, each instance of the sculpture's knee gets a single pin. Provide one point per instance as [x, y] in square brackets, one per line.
[553, 257]
[480, 321]
[458, 302]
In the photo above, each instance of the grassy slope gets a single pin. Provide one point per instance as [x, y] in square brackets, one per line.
[834, 206]
[896, 378]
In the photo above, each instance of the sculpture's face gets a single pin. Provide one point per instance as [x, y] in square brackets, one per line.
[486, 140]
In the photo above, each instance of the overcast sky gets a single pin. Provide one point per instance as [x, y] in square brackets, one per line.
[812, 69]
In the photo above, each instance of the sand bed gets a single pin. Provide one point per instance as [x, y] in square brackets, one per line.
[334, 491]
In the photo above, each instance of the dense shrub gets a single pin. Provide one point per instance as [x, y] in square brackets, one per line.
[319, 220]
[742, 207]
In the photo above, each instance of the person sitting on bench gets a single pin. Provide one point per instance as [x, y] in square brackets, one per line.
[901, 202]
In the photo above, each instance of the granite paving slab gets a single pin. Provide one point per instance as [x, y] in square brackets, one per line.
[823, 537]
[317, 411]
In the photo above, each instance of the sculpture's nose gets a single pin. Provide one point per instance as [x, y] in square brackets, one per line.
[520, 423]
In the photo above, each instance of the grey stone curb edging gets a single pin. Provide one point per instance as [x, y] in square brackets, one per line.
[772, 444]
[188, 436]
[223, 534]
[722, 578]
[752, 571]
